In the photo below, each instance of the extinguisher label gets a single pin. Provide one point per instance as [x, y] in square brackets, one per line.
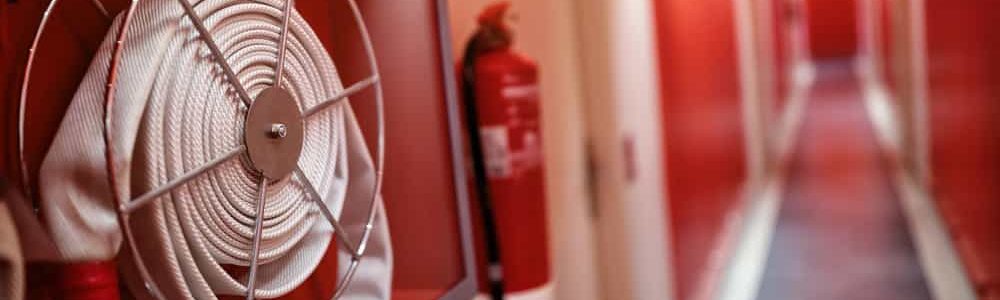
[520, 92]
[496, 151]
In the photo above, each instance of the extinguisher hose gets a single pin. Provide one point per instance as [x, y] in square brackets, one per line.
[475, 47]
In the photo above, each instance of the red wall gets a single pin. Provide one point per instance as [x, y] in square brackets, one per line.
[964, 75]
[832, 28]
[702, 127]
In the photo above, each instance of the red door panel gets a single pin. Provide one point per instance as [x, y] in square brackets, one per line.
[832, 28]
[702, 127]
[963, 74]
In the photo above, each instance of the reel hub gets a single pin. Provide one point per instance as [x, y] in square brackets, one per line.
[273, 133]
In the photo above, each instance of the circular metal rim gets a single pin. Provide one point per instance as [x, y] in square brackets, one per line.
[122, 206]
[23, 96]
[22, 103]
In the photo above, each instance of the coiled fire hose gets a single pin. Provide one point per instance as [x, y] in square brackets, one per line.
[176, 112]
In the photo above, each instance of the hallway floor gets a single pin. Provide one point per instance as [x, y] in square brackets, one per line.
[841, 232]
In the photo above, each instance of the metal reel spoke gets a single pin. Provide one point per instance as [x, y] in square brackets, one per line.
[318, 200]
[349, 91]
[148, 197]
[100, 7]
[219, 58]
[283, 42]
[258, 231]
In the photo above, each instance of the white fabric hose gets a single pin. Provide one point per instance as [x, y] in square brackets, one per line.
[175, 111]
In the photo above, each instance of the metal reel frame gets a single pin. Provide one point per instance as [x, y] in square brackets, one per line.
[125, 205]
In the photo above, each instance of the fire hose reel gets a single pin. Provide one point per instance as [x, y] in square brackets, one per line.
[217, 143]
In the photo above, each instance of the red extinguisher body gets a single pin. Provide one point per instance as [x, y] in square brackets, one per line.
[507, 97]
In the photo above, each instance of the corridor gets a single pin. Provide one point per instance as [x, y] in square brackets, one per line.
[500, 149]
[841, 232]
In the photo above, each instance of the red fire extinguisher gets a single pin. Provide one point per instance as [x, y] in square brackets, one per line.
[502, 108]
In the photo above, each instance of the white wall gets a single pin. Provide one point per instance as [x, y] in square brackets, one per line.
[545, 31]
[618, 52]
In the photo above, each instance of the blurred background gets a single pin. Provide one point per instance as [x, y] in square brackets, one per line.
[648, 149]
[761, 149]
